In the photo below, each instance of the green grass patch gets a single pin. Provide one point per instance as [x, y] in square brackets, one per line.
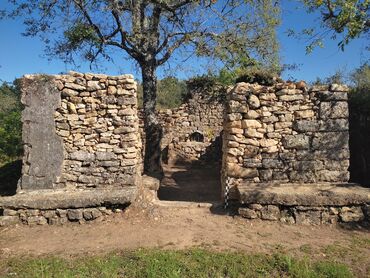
[165, 263]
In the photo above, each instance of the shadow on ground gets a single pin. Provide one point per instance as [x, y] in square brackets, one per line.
[10, 173]
[192, 182]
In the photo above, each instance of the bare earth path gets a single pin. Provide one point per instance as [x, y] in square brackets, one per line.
[176, 227]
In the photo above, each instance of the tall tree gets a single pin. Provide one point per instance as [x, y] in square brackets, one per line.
[150, 32]
[348, 19]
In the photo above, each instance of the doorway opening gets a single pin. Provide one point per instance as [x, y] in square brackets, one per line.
[192, 170]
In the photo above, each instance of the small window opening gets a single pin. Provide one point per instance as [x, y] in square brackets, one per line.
[196, 137]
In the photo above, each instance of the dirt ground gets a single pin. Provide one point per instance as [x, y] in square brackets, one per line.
[174, 225]
[186, 182]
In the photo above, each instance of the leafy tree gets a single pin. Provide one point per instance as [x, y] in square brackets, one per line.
[359, 98]
[9, 97]
[10, 123]
[150, 32]
[347, 18]
[170, 93]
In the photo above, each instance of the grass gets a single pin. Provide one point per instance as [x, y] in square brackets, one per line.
[166, 263]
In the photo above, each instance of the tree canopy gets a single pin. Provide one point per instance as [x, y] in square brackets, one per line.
[346, 19]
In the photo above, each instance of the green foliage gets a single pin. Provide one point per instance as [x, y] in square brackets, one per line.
[347, 18]
[10, 124]
[171, 92]
[359, 97]
[162, 263]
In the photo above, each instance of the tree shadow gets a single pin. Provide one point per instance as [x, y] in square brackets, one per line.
[10, 173]
[193, 181]
[359, 138]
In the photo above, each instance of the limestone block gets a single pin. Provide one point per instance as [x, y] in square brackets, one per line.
[82, 156]
[234, 170]
[330, 140]
[252, 133]
[332, 96]
[254, 102]
[248, 213]
[251, 124]
[270, 212]
[291, 97]
[332, 176]
[334, 125]
[75, 214]
[351, 214]
[304, 114]
[308, 217]
[333, 110]
[250, 151]
[306, 125]
[268, 142]
[9, 220]
[339, 88]
[252, 114]
[299, 141]
[272, 163]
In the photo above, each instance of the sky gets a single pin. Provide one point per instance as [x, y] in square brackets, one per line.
[21, 55]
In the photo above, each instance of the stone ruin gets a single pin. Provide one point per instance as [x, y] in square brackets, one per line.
[285, 153]
[193, 131]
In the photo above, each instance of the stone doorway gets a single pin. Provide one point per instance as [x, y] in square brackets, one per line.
[192, 180]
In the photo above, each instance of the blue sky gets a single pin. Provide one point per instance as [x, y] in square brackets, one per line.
[22, 55]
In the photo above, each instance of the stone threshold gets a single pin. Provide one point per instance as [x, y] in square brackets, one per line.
[306, 194]
[56, 207]
[310, 204]
[62, 199]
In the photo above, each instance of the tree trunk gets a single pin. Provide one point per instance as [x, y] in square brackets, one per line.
[153, 130]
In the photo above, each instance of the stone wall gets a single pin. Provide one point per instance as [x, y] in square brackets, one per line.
[193, 130]
[80, 131]
[285, 133]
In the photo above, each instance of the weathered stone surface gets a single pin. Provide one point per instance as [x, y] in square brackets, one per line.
[79, 132]
[333, 110]
[307, 217]
[8, 220]
[299, 141]
[237, 171]
[248, 213]
[319, 194]
[253, 101]
[270, 212]
[59, 199]
[75, 214]
[351, 214]
[82, 156]
[44, 151]
[305, 125]
[330, 140]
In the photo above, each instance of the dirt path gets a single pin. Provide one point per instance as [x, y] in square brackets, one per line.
[191, 182]
[174, 227]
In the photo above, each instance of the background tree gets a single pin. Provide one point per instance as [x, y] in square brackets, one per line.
[150, 32]
[348, 19]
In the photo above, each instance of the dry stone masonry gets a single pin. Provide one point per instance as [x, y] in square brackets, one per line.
[285, 151]
[285, 134]
[82, 149]
[193, 130]
[80, 131]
